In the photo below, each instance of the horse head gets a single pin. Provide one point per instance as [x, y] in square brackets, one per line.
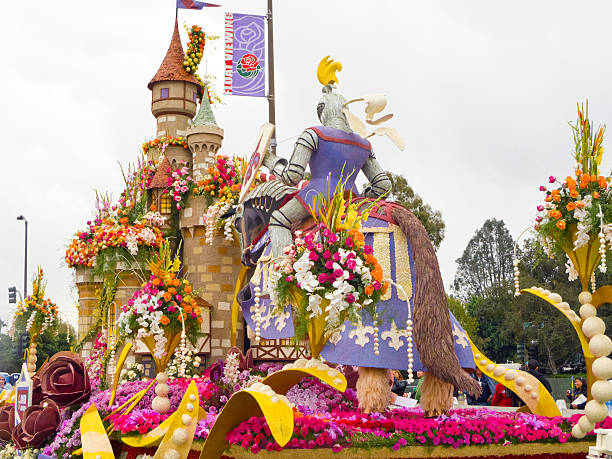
[252, 216]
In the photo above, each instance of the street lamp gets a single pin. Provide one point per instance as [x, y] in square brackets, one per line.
[25, 261]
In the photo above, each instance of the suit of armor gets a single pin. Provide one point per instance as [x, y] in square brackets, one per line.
[331, 150]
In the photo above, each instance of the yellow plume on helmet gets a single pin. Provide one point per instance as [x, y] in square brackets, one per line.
[326, 72]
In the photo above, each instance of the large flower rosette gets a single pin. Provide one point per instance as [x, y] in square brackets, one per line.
[64, 380]
[328, 275]
[161, 310]
[39, 423]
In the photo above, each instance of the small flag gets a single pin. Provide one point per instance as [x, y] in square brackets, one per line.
[245, 54]
[193, 4]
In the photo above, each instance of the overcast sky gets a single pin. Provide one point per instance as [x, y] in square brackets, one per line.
[482, 92]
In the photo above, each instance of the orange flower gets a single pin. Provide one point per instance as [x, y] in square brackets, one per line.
[164, 320]
[385, 287]
[124, 220]
[177, 282]
[593, 178]
[557, 198]
[561, 224]
[156, 281]
[187, 289]
[574, 194]
[578, 172]
[188, 308]
[579, 204]
[555, 192]
[595, 194]
[167, 296]
[548, 198]
[583, 185]
[377, 274]
[369, 289]
[571, 206]
[585, 177]
[172, 290]
[602, 182]
[172, 275]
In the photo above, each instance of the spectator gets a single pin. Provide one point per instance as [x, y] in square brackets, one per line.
[575, 399]
[417, 389]
[3, 384]
[485, 396]
[533, 368]
[502, 396]
[399, 385]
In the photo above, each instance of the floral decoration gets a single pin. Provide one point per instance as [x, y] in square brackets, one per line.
[179, 184]
[163, 142]
[575, 209]
[95, 361]
[131, 372]
[39, 312]
[331, 266]
[163, 305]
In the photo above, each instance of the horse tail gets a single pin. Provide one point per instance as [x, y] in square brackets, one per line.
[432, 326]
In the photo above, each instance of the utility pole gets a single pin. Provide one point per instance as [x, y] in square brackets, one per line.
[25, 261]
[271, 101]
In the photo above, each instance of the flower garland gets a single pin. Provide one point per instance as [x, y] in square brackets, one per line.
[39, 313]
[163, 142]
[95, 361]
[103, 234]
[132, 372]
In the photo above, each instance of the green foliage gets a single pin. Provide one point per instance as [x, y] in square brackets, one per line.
[59, 338]
[105, 298]
[485, 268]
[403, 194]
[459, 310]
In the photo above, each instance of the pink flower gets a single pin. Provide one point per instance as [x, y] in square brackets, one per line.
[319, 247]
[329, 264]
[338, 273]
[336, 256]
[376, 285]
[350, 298]
[368, 249]
[313, 256]
[551, 179]
[538, 219]
[542, 188]
[333, 238]
[289, 278]
[348, 242]
[540, 208]
[351, 264]
[327, 255]
[322, 278]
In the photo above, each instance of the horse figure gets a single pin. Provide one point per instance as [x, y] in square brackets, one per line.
[403, 249]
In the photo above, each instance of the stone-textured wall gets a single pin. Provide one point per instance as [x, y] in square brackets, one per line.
[87, 286]
[213, 270]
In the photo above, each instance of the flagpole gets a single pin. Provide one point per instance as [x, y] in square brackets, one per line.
[271, 101]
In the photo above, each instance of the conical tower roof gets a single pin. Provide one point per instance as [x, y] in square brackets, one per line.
[205, 116]
[171, 69]
[160, 179]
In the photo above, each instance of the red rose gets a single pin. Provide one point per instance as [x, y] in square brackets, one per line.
[249, 62]
[64, 379]
[7, 421]
[38, 423]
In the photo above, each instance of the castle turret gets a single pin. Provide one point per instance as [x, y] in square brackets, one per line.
[174, 96]
[204, 138]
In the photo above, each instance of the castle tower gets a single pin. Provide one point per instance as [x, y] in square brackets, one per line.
[204, 138]
[174, 96]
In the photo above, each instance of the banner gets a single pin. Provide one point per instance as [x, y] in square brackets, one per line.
[245, 55]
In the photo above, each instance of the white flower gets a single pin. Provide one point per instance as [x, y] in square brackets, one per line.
[572, 274]
[314, 305]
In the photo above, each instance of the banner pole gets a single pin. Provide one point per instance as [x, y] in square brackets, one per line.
[271, 101]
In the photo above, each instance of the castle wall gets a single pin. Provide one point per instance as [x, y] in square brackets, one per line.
[87, 285]
[213, 270]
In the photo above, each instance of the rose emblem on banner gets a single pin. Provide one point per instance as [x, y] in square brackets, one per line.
[248, 67]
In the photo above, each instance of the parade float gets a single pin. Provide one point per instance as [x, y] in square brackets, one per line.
[187, 282]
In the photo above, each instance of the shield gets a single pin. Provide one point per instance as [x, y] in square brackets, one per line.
[261, 147]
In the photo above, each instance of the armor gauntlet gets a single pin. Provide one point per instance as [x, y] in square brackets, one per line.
[292, 172]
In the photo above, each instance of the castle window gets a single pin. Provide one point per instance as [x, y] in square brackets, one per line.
[164, 93]
[165, 204]
[195, 97]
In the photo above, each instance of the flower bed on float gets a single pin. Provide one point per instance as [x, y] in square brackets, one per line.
[326, 421]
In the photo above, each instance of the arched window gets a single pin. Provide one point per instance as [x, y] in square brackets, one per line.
[165, 204]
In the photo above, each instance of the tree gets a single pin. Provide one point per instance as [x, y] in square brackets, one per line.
[459, 310]
[403, 194]
[485, 267]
